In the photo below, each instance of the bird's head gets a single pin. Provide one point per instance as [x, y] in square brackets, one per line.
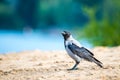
[66, 34]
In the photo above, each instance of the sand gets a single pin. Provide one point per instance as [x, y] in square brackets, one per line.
[53, 65]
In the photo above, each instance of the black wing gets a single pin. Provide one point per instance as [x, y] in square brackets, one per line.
[84, 53]
[87, 51]
[81, 51]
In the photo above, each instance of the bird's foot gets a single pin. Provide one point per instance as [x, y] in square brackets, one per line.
[73, 69]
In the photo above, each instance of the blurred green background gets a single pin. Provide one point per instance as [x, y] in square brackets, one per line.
[98, 21]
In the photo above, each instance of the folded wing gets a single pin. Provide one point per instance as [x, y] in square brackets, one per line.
[84, 53]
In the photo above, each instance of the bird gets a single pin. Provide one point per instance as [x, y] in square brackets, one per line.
[77, 52]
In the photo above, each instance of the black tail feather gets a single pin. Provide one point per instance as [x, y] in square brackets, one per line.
[98, 62]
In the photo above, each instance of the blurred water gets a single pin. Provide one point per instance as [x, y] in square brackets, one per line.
[12, 41]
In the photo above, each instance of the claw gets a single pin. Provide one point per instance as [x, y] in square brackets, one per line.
[72, 69]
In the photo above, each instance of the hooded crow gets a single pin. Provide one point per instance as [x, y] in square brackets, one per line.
[76, 51]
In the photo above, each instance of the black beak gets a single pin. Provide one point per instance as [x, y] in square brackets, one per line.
[63, 33]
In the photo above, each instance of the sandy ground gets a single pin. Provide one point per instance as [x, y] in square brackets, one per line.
[53, 65]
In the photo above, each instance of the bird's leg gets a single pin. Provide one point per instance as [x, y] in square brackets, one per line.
[74, 67]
